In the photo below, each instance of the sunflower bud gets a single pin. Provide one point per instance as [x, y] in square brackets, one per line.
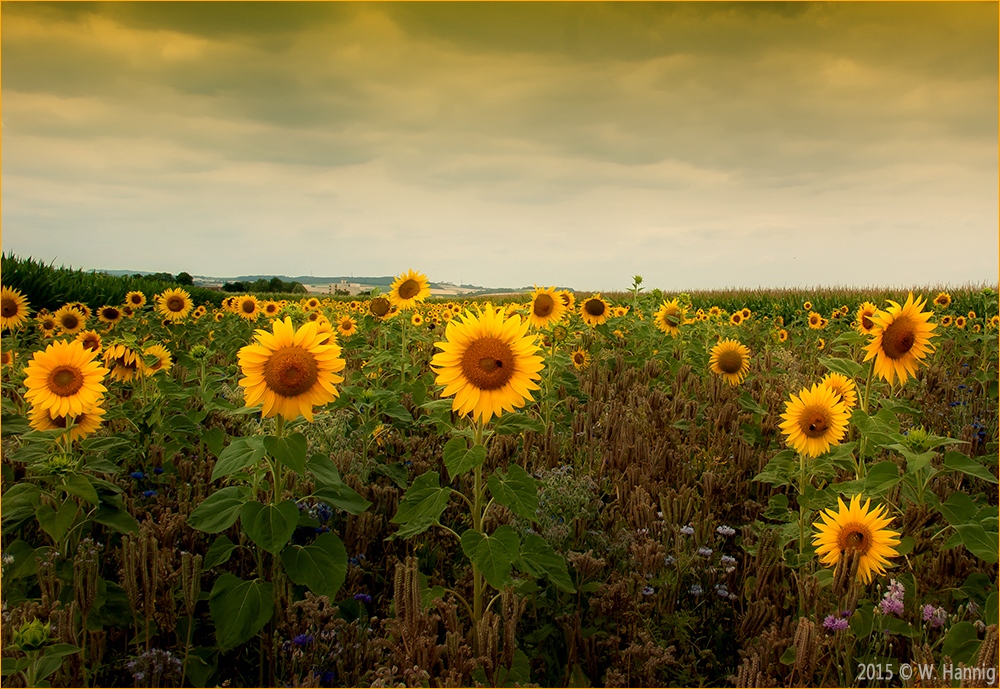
[32, 635]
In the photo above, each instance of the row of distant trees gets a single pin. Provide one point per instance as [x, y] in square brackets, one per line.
[261, 285]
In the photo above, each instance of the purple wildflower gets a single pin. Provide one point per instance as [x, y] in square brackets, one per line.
[835, 623]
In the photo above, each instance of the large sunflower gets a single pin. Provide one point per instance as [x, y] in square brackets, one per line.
[669, 317]
[174, 304]
[64, 380]
[408, 289]
[70, 320]
[84, 424]
[13, 308]
[289, 371]
[901, 338]
[155, 358]
[488, 363]
[546, 307]
[379, 307]
[731, 360]
[845, 388]
[856, 529]
[595, 311]
[814, 420]
[864, 316]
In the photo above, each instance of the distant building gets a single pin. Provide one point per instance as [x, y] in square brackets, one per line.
[345, 287]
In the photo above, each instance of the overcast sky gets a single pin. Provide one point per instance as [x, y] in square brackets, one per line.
[576, 144]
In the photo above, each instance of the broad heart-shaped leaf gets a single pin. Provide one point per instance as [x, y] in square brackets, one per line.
[343, 497]
[239, 609]
[290, 450]
[516, 490]
[321, 565]
[961, 643]
[19, 503]
[116, 516]
[459, 458]
[78, 485]
[324, 470]
[979, 541]
[421, 505]
[847, 367]
[539, 559]
[270, 526]
[218, 511]
[239, 454]
[959, 509]
[214, 439]
[57, 522]
[881, 477]
[960, 462]
[495, 554]
[219, 552]
[512, 423]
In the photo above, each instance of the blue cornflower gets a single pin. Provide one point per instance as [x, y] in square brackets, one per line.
[363, 597]
[158, 470]
[302, 640]
[137, 475]
[149, 493]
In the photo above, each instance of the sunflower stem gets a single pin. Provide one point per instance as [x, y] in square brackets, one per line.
[402, 358]
[477, 524]
[860, 472]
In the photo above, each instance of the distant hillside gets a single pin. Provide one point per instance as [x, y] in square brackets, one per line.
[381, 281]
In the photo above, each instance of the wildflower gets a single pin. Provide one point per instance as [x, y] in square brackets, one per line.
[728, 560]
[725, 530]
[705, 552]
[835, 623]
[302, 640]
[137, 475]
[687, 530]
[892, 601]
[936, 616]
[648, 591]
[149, 493]
[363, 597]
[695, 590]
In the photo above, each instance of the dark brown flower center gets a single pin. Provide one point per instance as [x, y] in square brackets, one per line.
[543, 305]
[854, 537]
[91, 342]
[69, 321]
[866, 321]
[488, 363]
[379, 306]
[8, 307]
[730, 361]
[814, 423]
[291, 371]
[898, 338]
[175, 304]
[737, 317]
[248, 306]
[409, 289]
[578, 357]
[136, 299]
[595, 307]
[65, 380]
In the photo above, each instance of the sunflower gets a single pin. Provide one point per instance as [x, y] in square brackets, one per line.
[229, 304]
[199, 311]
[864, 316]
[736, 318]
[174, 304]
[379, 307]
[324, 326]
[123, 360]
[807, 306]
[127, 311]
[715, 312]
[546, 307]
[83, 424]
[959, 321]
[595, 311]
[314, 316]
[488, 363]
[70, 320]
[109, 314]
[901, 338]
[731, 360]
[311, 304]
[568, 300]
[581, 359]
[417, 320]
[218, 316]
[746, 313]
[47, 324]
[782, 335]
[814, 420]
[971, 315]
[994, 321]
[64, 379]
[669, 317]
[943, 299]
[346, 326]
[90, 339]
[82, 308]
[976, 328]
[248, 307]
[271, 308]
[13, 308]
[6, 358]
[859, 530]
[135, 299]
[155, 358]
[408, 289]
[845, 388]
[289, 371]
[821, 343]
[815, 320]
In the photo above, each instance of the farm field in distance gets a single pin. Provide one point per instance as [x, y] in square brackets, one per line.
[643, 488]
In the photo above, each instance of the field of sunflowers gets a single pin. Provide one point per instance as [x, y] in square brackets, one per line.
[734, 488]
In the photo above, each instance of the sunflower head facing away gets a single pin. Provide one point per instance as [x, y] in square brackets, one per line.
[814, 420]
[81, 425]
[595, 311]
[155, 358]
[290, 371]
[856, 529]
[64, 380]
[900, 339]
[488, 362]
[546, 307]
[408, 289]
[174, 304]
[13, 308]
[731, 360]
[866, 311]
[669, 317]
